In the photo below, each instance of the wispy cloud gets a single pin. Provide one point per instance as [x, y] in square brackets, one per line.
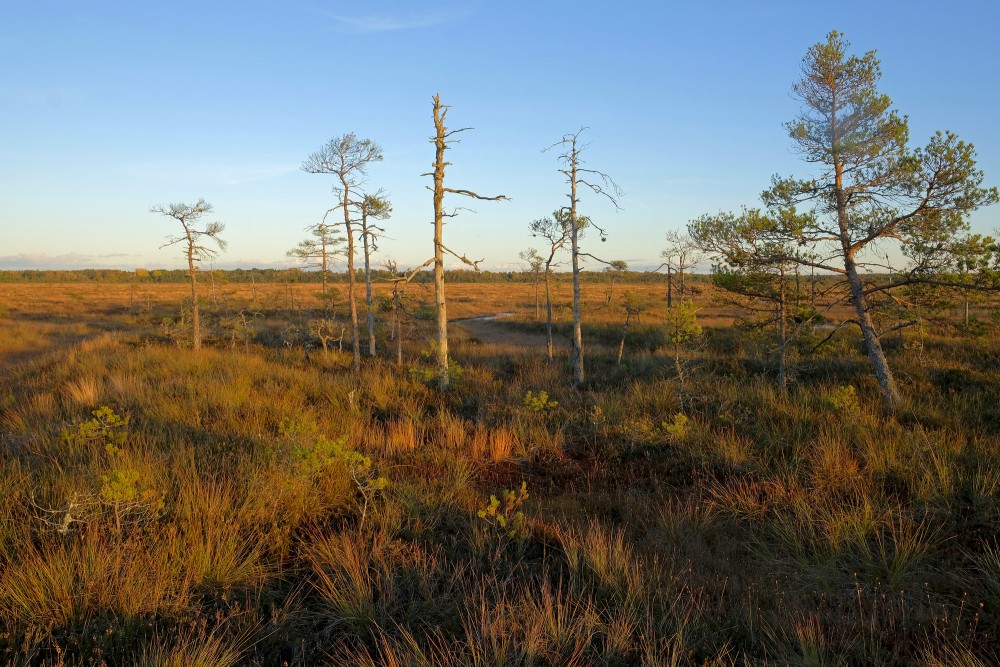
[72, 260]
[389, 22]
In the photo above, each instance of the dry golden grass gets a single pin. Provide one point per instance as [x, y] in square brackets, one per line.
[263, 504]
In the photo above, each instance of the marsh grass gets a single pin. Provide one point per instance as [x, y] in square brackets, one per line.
[239, 517]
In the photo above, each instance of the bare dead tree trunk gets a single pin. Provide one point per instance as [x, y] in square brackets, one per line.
[548, 312]
[441, 141]
[599, 183]
[670, 287]
[440, 145]
[195, 313]
[324, 269]
[397, 323]
[351, 278]
[369, 300]
[578, 372]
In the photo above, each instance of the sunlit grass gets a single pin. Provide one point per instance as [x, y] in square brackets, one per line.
[715, 521]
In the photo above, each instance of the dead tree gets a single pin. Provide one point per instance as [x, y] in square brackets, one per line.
[599, 183]
[347, 158]
[372, 207]
[442, 141]
[194, 249]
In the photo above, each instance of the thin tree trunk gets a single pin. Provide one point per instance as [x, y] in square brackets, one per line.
[195, 312]
[798, 286]
[782, 332]
[880, 367]
[439, 293]
[677, 361]
[621, 346]
[325, 267]
[578, 372]
[215, 293]
[670, 288]
[537, 310]
[351, 278]
[548, 312]
[398, 324]
[812, 289]
[369, 301]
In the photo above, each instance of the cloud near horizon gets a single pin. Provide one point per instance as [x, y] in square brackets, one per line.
[122, 262]
[68, 261]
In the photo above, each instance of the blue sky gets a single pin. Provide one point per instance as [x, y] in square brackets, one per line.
[107, 108]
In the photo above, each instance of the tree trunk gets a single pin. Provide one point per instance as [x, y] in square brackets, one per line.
[439, 295]
[782, 332]
[548, 311]
[812, 289]
[398, 324]
[677, 361]
[195, 313]
[670, 288]
[621, 346]
[880, 367]
[325, 267]
[351, 278]
[578, 372]
[369, 301]
[798, 288]
[537, 310]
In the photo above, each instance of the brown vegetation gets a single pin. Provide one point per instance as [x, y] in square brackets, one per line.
[256, 504]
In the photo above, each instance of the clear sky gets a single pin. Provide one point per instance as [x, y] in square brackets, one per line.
[107, 108]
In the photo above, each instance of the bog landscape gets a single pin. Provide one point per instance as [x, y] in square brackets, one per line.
[778, 447]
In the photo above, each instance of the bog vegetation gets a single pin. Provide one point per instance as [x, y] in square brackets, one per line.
[764, 465]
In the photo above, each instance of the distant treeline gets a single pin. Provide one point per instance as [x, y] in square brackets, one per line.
[295, 275]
